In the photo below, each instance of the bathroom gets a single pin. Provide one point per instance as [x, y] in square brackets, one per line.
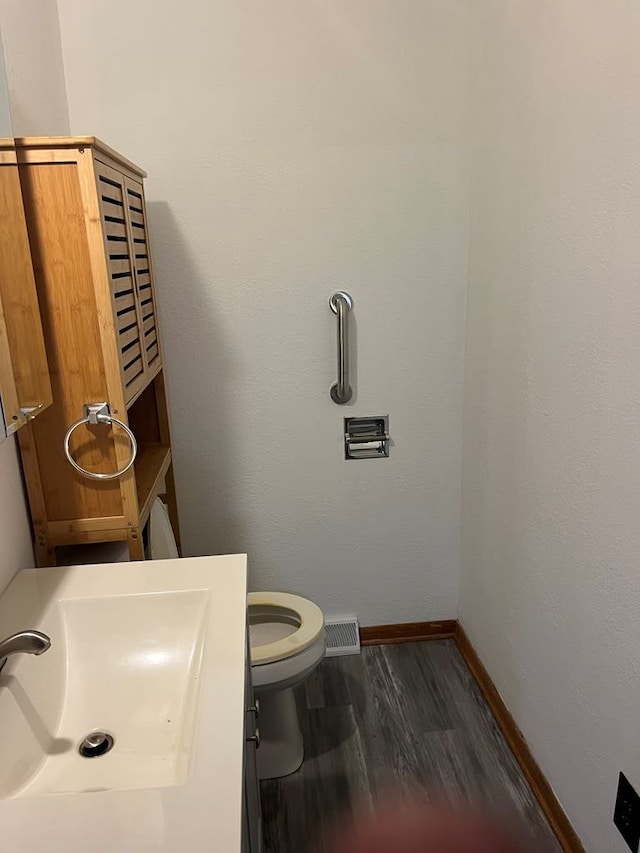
[467, 171]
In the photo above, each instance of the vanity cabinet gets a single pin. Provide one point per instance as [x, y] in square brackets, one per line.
[251, 809]
[25, 389]
[88, 228]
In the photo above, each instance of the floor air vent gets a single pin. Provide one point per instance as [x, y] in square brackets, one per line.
[343, 637]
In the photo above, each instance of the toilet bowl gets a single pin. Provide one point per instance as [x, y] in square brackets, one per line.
[287, 644]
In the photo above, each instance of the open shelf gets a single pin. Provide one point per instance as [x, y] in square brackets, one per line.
[151, 465]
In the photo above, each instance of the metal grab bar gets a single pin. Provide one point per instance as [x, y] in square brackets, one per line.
[341, 303]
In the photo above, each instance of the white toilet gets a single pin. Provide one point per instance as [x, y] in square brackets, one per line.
[287, 643]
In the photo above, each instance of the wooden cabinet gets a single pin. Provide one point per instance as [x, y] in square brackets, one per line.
[87, 223]
[25, 389]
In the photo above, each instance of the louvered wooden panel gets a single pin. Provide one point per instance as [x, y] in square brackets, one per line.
[137, 219]
[121, 264]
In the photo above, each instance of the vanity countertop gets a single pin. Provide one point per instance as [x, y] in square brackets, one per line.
[205, 812]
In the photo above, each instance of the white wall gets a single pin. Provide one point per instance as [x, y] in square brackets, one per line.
[5, 109]
[35, 74]
[550, 593]
[35, 82]
[15, 532]
[292, 149]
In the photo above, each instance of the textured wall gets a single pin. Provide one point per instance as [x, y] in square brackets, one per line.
[5, 108]
[294, 148]
[35, 75]
[35, 82]
[16, 551]
[550, 592]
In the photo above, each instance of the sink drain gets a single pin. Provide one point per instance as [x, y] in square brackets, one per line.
[95, 744]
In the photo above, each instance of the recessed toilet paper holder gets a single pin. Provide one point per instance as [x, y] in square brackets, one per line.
[366, 438]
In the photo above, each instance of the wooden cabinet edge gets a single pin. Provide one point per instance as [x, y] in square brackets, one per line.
[25, 386]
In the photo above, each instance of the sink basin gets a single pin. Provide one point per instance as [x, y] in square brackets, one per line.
[125, 664]
[139, 651]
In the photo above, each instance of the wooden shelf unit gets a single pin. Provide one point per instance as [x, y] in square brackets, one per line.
[150, 469]
[86, 216]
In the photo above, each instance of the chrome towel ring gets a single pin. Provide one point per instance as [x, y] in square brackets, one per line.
[99, 413]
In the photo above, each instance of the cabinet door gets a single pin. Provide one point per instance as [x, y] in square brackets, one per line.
[139, 240]
[24, 373]
[252, 808]
[253, 813]
[120, 256]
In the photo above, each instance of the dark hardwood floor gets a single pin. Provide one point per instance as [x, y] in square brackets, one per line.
[395, 720]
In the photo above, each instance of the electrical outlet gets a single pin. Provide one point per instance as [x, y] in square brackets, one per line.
[626, 814]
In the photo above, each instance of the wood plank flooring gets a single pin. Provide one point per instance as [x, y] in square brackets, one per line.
[397, 718]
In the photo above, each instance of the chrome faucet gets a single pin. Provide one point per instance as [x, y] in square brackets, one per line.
[24, 642]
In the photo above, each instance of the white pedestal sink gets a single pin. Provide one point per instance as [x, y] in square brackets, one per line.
[152, 653]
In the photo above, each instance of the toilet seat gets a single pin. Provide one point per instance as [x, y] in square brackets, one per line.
[293, 609]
